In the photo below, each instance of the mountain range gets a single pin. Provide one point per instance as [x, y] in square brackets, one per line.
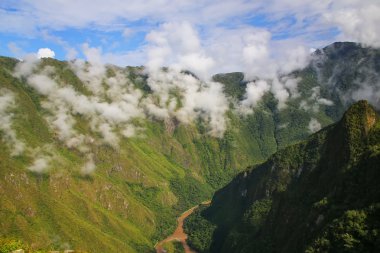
[100, 158]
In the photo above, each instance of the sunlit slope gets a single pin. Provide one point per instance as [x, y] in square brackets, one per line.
[132, 197]
[65, 183]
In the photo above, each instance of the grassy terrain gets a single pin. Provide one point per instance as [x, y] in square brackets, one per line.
[132, 199]
[173, 247]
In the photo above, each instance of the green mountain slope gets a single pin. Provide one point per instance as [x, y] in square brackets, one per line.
[132, 198]
[320, 195]
[63, 186]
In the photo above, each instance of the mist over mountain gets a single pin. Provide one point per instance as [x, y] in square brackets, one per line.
[93, 152]
[121, 120]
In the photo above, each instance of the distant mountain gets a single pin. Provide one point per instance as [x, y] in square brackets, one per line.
[320, 195]
[343, 72]
[99, 158]
[349, 72]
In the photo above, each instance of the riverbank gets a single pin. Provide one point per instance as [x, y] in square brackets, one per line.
[179, 234]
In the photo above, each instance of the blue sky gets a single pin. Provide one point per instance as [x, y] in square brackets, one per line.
[132, 32]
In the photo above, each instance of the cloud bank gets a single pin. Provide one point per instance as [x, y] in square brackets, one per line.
[265, 40]
[179, 47]
[187, 98]
[356, 19]
[9, 135]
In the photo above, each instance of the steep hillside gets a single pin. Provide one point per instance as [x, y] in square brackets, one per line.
[320, 195]
[102, 158]
[107, 199]
[63, 184]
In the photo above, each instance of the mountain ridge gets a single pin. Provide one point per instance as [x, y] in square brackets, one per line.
[74, 188]
[289, 202]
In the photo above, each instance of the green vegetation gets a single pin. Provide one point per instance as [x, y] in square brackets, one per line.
[234, 84]
[255, 216]
[201, 239]
[320, 195]
[133, 197]
[354, 231]
[7, 245]
[173, 247]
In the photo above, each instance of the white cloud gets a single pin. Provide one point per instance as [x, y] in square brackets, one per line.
[291, 84]
[294, 57]
[64, 102]
[254, 92]
[89, 166]
[42, 83]
[180, 47]
[195, 36]
[209, 103]
[91, 74]
[199, 99]
[177, 45]
[369, 90]
[45, 53]
[307, 21]
[256, 55]
[27, 66]
[40, 164]
[17, 22]
[358, 20]
[71, 13]
[110, 108]
[7, 132]
[314, 101]
[189, 35]
[314, 125]
[280, 93]
[130, 131]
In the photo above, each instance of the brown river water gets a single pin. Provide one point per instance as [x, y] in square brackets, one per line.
[179, 234]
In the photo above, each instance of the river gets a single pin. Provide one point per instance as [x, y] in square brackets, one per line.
[179, 234]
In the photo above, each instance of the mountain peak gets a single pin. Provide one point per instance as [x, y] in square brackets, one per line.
[361, 116]
[350, 135]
